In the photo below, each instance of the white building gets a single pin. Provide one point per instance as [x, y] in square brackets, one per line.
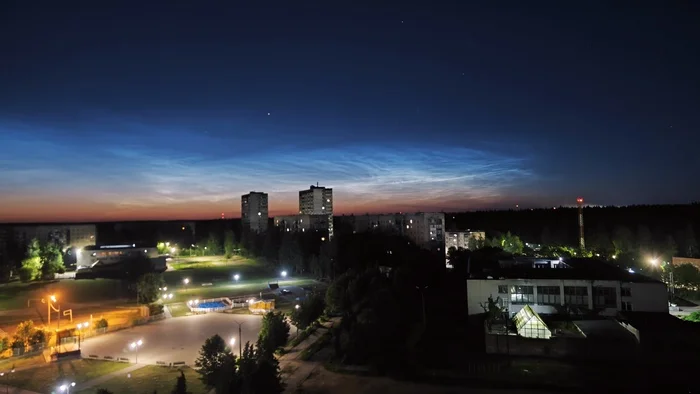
[317, 200]
[463, 239]
[587, 284]
[302, 223]
[91, 255]
[254, 211]
[423, 228]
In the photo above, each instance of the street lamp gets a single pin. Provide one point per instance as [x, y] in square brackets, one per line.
[135, 347]
[232, 342]
[49, 301]
[297, 306]
[186, 281]
[66, 387]
[284, 274]
[236, 277]
[654, 261]
[7, 377]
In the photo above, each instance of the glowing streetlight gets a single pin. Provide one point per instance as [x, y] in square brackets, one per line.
[186, 281]
[53, 298]
[654, 261]
[232, 341]
[173, 250]
[236, 277]
[66, 387]
[135, 347]
[284, 274]
[297, 306]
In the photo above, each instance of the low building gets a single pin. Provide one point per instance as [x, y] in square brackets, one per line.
[576, 283]
[67, 235]
[302, 223]
[103, 255]
[426, 229]
[463, 239]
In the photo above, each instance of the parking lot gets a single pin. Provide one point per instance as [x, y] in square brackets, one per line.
[173, 340]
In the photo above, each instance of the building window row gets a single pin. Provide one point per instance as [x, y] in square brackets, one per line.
[522, 295]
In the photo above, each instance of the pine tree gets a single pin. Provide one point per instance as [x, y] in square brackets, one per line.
[181, 384]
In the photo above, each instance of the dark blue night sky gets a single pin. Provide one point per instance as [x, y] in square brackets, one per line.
[120, 110]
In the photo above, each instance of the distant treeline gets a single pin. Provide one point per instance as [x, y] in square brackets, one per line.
[634, 225]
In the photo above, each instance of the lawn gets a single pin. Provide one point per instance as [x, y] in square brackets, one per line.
[150, 379]
[44, 379]
[7, 364]
[16, 294]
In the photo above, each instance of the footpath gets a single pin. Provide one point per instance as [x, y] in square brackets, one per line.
[295, 370]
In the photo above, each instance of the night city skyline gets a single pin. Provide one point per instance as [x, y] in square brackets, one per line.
[174, 111]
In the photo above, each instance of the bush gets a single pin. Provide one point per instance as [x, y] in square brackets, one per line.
[26, 274]
[102, 323]
[155, 309]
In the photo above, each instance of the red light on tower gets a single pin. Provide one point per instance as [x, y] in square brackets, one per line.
[579, 200]
[222, 215]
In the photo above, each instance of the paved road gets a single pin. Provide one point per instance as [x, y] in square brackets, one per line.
[173, 340]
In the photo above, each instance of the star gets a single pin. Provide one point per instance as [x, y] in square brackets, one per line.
[268, 114]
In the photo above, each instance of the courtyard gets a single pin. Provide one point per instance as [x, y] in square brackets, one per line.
[173, 340]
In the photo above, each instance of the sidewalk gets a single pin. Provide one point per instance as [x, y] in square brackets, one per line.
[297, 370]
[104, 378]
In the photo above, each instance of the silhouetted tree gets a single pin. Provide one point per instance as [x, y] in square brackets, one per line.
[214, 356]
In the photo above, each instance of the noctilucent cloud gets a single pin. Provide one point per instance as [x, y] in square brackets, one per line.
[168, 111]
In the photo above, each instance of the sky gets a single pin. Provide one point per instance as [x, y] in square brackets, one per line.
[121, 110]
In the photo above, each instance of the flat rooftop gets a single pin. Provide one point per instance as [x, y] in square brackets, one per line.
[571, 269]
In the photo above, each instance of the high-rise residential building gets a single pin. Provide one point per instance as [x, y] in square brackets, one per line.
[254, 211]
[424, 228]
[302, 223]
[317, 200]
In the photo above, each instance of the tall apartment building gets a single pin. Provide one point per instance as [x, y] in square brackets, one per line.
[317, 200]
[463, 239]
[424, 228]
[254, 211]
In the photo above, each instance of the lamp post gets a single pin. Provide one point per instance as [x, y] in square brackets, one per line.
[422, 297]
[7, 377]
[297, 306]
[49, 301]
[135, 347]
[66, 387]
[236, 277]
[186, 281]
[240, 338]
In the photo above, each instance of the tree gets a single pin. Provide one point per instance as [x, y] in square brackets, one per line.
[623, 240]
[229, 243]
[51, 261]
[273, 334]
[290, 254]
[180, 385]
[162, 248]
[493, 310]
[336, 294]
[509, 242]
[686, 274]
[147, 288]
[136, 266]
[694, 317]
[213, 245]
[643, 239]
[24, 333]
[309, 310]
[31, 265]
[214, 356]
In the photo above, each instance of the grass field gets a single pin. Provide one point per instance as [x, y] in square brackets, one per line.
[150, 379]
[16, 294]
[46, 378]
[7, 364]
